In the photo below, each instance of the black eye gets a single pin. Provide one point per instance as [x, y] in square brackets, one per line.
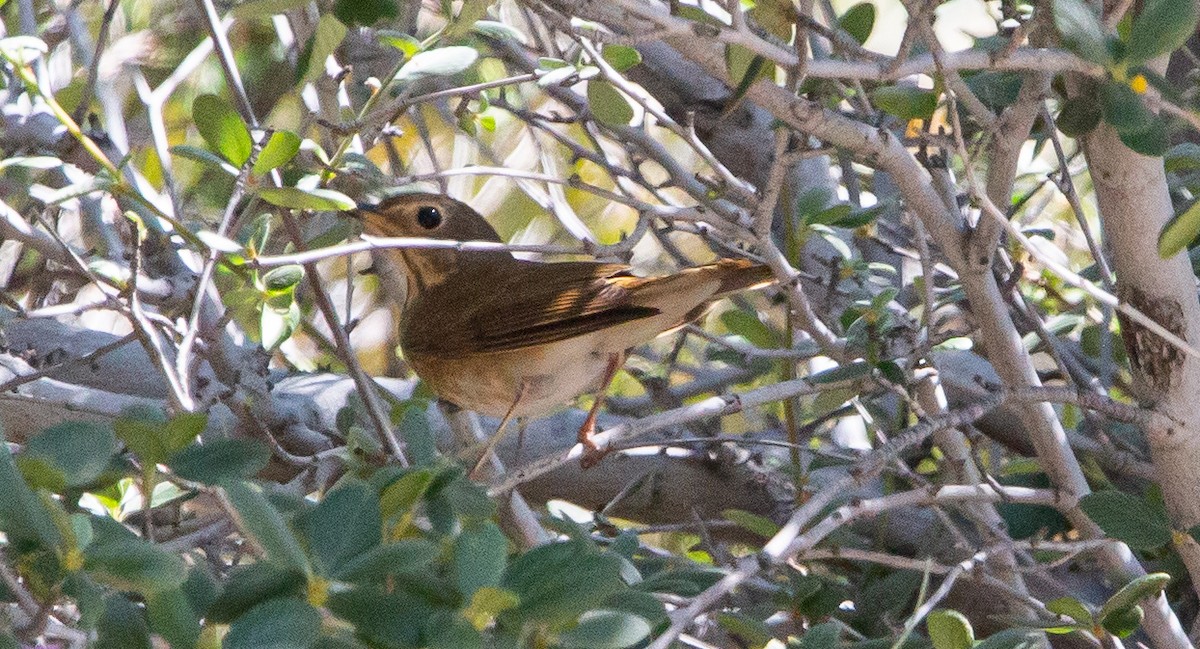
[429, 217]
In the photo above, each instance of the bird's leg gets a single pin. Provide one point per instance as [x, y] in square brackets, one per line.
[499, 434]
[592, 453]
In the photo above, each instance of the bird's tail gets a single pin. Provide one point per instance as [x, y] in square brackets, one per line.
[740, 275]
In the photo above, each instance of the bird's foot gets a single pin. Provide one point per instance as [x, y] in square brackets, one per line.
[592, 452]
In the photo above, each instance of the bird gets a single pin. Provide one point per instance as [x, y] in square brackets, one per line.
[516, 338]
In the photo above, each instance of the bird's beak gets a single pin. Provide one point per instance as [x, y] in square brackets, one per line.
[362, 209]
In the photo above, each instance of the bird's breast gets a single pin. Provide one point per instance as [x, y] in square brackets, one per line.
[544, 377]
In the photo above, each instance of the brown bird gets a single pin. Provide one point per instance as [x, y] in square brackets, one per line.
[508, 337]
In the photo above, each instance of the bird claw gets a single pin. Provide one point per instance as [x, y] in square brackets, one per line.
[592, 453]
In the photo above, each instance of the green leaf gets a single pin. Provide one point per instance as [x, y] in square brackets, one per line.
[1135, 591]
[88, 595]
[205, 157]
[1081, 31]
[218, 242]
[950, 630]
[222, 128]
[559, 581]
[1124, 622]
[1184, 156]
[754, 632]
[557, 76]
[480, 557]
[1014, 639]
[307, 199]
[284, 623]
[1072, 608]
[23, 517]
[841, 373]
[748, 326]
[1123, 108]
[171, 616]
[1179, 232]
[821, 636]
[143, 433]
[122, 626]
[497, 30]
[281, 148]
[620, 57]
[200, 587]
[182, 429]
[551, 63]
[607, 104]
[1079, 115]
[487, 603]
[389, 619]
[1126, 518]
[284, 278]
[252, 583]
[407, 45]
[364, 12]
[278, 321]
[448, 630]
[80, 450]
[400, 497]
[858, 21]
[830, 215]
[265, 8]
[1152, 140]
[605, 630]
[343, 526]
[134, 565]
[745, 67]
[1162, 27]
[329, 34]
[442, 62]
[262, 521]
[410, 556]
[219, 460]
[759, 525]
[905, 102]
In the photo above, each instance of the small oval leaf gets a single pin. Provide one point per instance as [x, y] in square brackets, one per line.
[222, 128]
[950, 630]
[1162, 27]
[859, 21]
[441, 62]
[329, 34]
[218, 242]
[1179, 232]
[1079, 115]
[621, 57]
[603, 629]
[1081, 30]
[282, 147]
[905, 102]
[607, 104]
[282, 623]
[307, 199]
[1135, 591]
[282, 278]
[1128, 519]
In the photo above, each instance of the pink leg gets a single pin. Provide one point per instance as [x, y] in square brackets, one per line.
[498, 435]
[592, 453]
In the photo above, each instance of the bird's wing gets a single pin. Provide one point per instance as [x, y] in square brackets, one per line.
[557, 301]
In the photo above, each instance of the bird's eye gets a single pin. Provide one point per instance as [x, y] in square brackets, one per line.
[429, 217]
